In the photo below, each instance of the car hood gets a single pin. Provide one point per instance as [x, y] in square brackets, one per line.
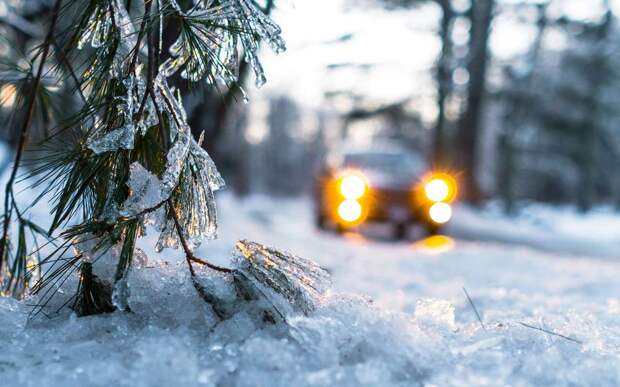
[394, 181]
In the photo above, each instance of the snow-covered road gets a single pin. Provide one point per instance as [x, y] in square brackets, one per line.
[398, 314]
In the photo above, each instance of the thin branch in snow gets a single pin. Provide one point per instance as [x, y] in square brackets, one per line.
[474, 308]
[551, 333]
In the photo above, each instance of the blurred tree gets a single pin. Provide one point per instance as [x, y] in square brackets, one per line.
[596, 68]
[480, 15]
[443, 71]
[519, 75]
[291, 148]
[444, 81]
[562, 130]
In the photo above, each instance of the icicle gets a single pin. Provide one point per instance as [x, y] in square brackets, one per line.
[97, 29]
[168, 237]
[121, 294]
[262, 25]
[129, 106]
[161, 25]
[207, 168]
[291, 284]
[128, 37]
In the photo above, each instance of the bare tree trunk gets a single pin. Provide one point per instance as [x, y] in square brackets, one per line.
[481, 15]
[444, 82]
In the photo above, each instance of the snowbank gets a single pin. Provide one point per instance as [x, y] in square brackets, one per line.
[411, 325]
[560, 229]
[172, 338]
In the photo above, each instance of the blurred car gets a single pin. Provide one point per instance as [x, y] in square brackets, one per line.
[383, 185]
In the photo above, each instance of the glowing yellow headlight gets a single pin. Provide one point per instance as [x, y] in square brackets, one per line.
[437, 190]
[350, 211]
[440, 212]
[353, 186]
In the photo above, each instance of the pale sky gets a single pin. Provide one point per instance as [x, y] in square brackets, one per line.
[401, 46]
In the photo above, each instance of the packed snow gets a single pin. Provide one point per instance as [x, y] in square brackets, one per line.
[397, 314]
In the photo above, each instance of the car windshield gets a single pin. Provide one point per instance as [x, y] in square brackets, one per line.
[394, 162]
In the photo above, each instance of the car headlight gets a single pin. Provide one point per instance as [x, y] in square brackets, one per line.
[350, 211]
[437, 189]
[353, 186]
[440, 213]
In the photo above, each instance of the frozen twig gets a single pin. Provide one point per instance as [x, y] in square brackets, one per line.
[551, 333]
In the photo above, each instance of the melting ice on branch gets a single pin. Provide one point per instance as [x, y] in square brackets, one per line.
[218, 32]
[291, 284]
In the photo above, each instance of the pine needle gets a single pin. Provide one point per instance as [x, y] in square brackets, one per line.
[552, 333]
[475, 309]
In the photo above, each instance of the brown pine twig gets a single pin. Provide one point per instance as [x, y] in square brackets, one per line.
[189, 255]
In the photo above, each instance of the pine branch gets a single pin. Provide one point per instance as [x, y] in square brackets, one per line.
[63, 58]
[120, 166]
[8, 206]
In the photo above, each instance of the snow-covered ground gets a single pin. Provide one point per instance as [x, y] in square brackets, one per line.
[398, 314]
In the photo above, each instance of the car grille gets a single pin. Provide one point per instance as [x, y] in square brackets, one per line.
[386, 197]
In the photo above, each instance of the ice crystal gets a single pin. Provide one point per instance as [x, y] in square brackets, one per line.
[97, 29]
[121, 294]
[130, 107]
[291, 284]
[140, 259]
[145, 191]
[121, 138]
[85, 246]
